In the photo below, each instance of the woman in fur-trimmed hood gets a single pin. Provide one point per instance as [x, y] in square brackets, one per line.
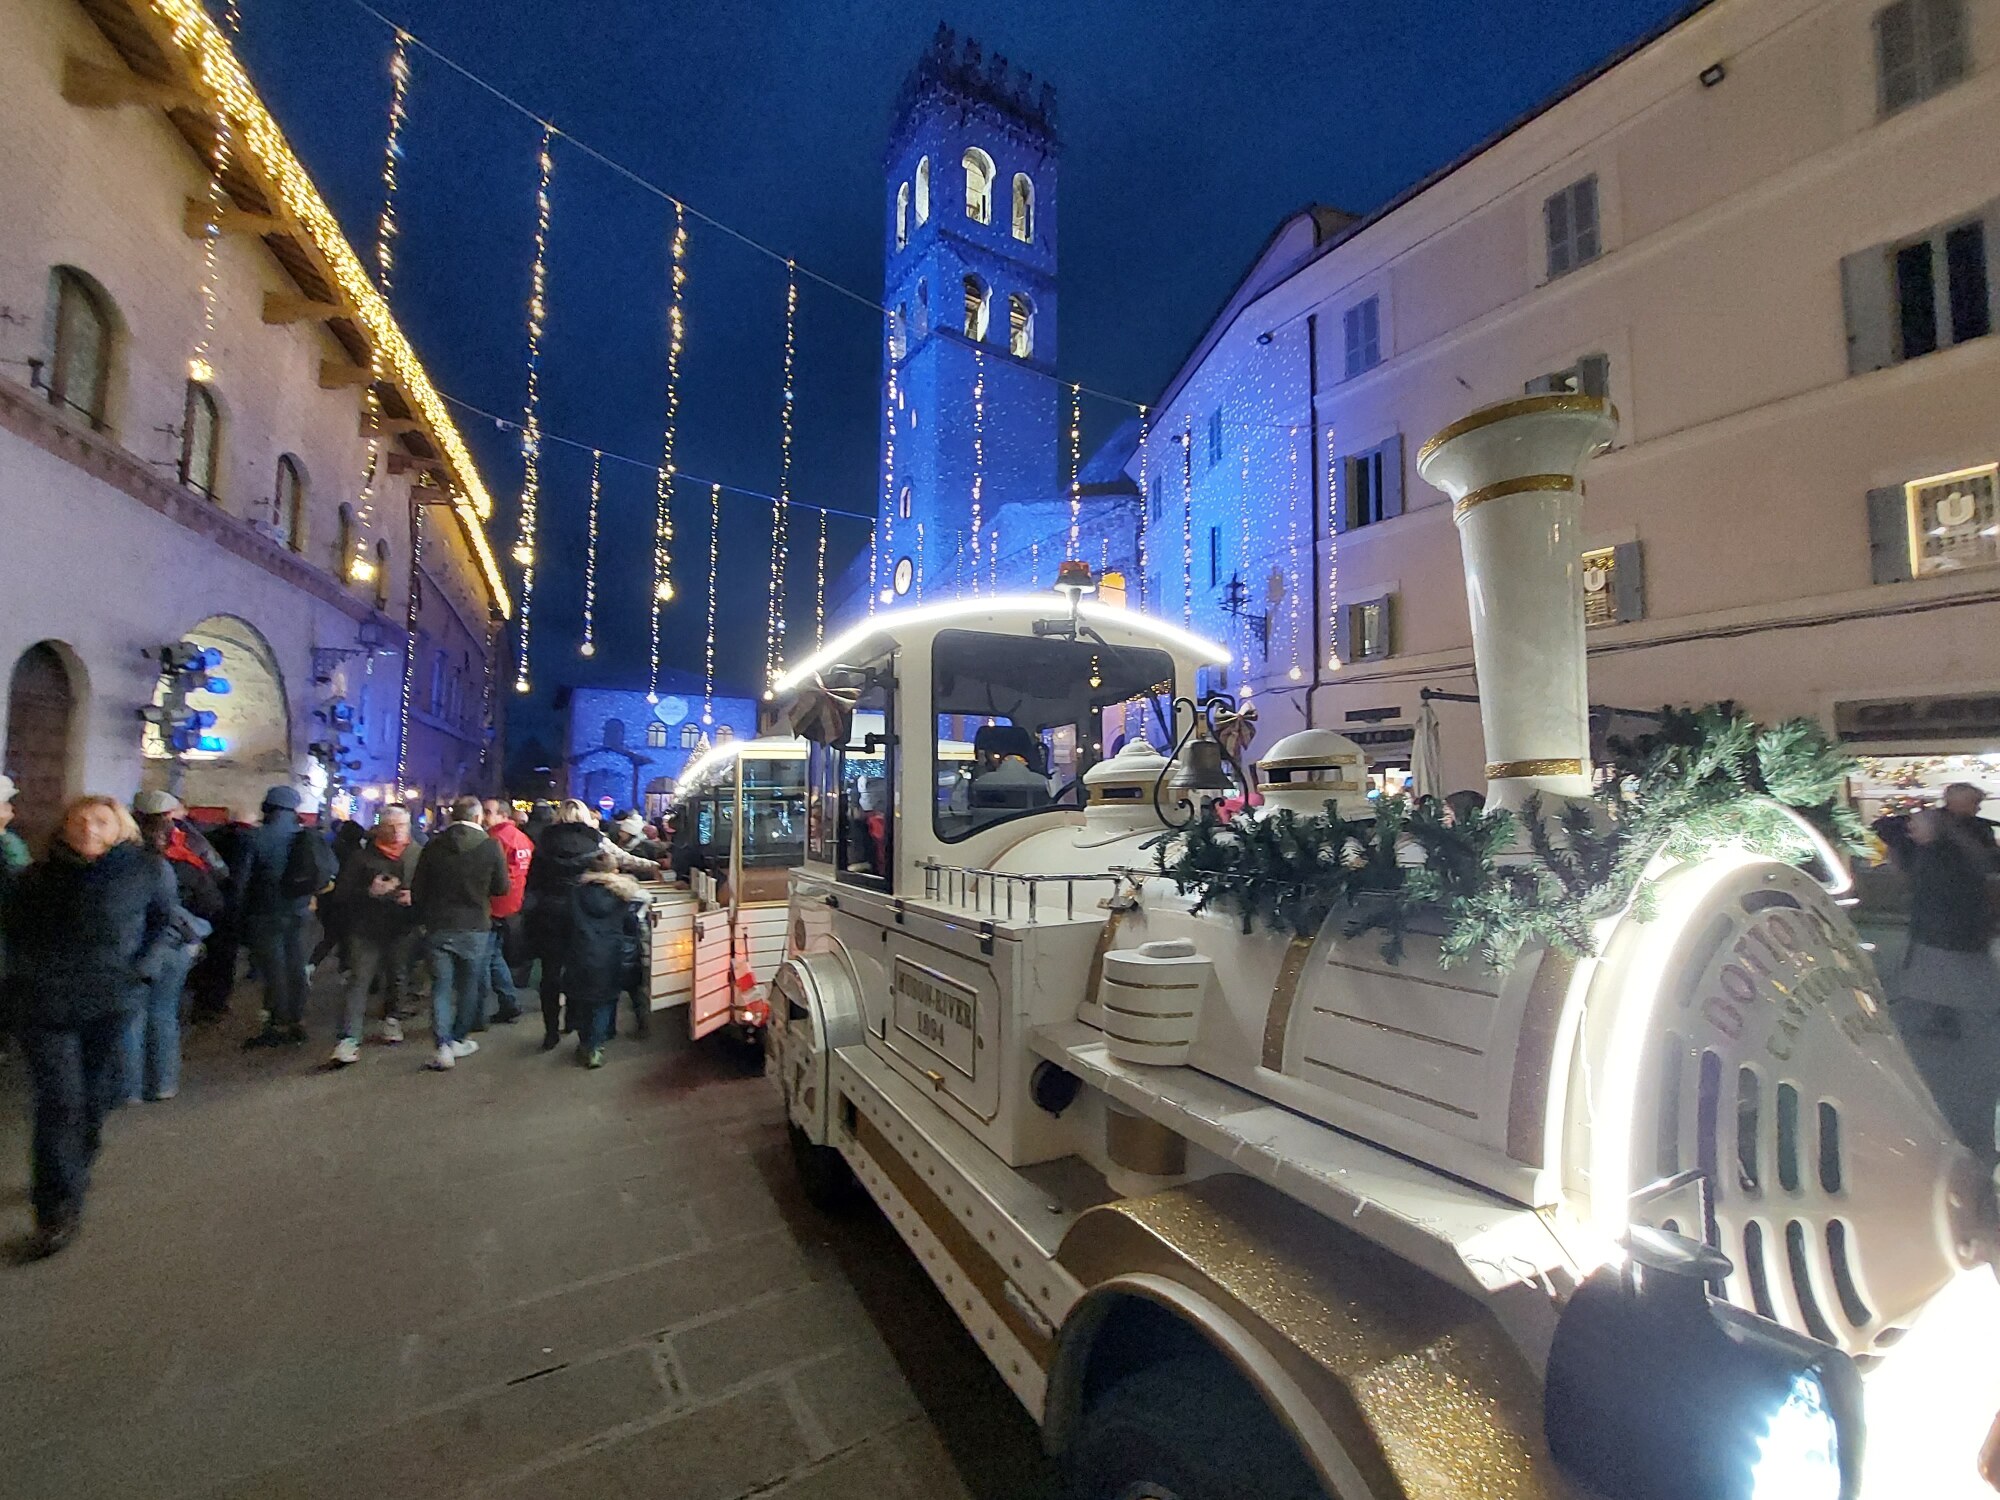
[606, 947]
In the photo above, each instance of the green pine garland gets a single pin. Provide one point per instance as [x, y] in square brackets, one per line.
[1706, 778]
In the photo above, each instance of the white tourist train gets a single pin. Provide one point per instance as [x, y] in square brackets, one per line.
[1242, 1214]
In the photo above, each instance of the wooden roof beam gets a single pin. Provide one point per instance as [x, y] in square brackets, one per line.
[339, 375]
[283, 307]
[227, 218]
[90, 85]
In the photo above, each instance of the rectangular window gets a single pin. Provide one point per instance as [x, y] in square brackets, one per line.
[1570, 219]
[1919, 50]
[1971, 316]
[1941, 290]
[1215, 437]
[1214, 555]
[1916, 301]
[1368, 625]
[1954, 521]
[1364, 490]
[1153, 501]
[1362, 325]
[1370, 485]
[1589, 376]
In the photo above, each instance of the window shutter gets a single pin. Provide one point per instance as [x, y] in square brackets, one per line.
[1392, 476]
[1888, 535]
[1593, 375]
[1864, 294]
[1388, 646]
[1343, 496]
[1628, 582]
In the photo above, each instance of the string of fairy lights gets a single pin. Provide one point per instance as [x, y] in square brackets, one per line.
[1243, 611]
[708, 648]
[662, 592]
[531, 414]
[978, 454]
[1075, 467]
[1293, 577]
[1187, 521]
[774, 629]
[201, 367]
[589, 646]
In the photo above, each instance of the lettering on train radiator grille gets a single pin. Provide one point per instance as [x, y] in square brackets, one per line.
[939, 1012]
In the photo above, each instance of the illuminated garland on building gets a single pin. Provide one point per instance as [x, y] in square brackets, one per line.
[531, 414]
[1145, 504]
[589, 646]
[993, 562]
[882, 538]
[662, 592]
[1332, 561]
[1292, 545]
[920, 562]
[708, 650]
[385, 279]
[1075, 469]
[201, 369]
[819, 587]
[1035, 562]
[978, 454]
[774, 627]
[874, 557]
[410, 654]
[1187, 521]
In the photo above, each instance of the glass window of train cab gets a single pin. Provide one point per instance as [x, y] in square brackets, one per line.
[860, 778]
[774, 812]
[1019, 720]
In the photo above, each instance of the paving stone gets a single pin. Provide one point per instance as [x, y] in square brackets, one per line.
[856, 1393]
[815, 1319]
[715, 1452]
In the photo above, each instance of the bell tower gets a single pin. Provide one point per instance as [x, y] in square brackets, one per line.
[971, 410]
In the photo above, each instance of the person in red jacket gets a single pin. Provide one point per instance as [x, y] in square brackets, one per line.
[505, 976]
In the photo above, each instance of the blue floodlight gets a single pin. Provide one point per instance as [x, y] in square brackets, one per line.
[202, 718]
[219, 686]
[214, 744]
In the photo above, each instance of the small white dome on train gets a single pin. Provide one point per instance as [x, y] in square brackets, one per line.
[1305, 771]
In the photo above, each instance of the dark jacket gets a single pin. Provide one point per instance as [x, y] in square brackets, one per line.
[607, 937]
[458, 874]
[258, 888]
[83, 937]
[1949, 903]
[375, 919]
[195, 888]
[563, 856]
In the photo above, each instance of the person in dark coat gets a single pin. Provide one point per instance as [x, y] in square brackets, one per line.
[344, 836]
[540, 816]
[273, 919]
[459, 873]
[214, 975]
[378, 927]
[607, 935]
[86, 925]
[1949, 965]
[564, 854]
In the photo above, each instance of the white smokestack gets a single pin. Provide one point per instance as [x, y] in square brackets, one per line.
[1511, 471]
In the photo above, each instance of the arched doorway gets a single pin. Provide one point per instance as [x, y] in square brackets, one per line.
[41, 723]
[252, 720]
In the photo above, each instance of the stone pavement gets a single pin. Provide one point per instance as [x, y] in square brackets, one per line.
[519, 1279]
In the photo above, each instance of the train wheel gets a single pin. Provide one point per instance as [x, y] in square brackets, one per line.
[1185, 1429]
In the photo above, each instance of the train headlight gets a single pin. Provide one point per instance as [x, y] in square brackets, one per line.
[1656, 1391]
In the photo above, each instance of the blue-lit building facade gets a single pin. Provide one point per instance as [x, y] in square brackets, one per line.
[622, 748]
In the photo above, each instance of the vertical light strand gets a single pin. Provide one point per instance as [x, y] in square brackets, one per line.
[1332, 561]
[1292, 579]
[993, 561]
[1187, 521]
[662, 592]
[1145, 504]
[200, 367]
[589, 646]
[531, 411]
[1035, 562]
[819, 586]
[386, 230]
[920, 562]
[708, 650]
[781, 503]
[978, 454]
[1075, 471]
[882, 540]
[1243, 523]
[412, 609]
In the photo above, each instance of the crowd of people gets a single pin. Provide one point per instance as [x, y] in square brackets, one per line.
[136, 917]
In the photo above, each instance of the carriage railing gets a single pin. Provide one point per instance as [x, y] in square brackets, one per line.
[1009, 896]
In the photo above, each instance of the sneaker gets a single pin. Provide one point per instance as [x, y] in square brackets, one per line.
[346, 1052]
[550, 1041]
[293, 1035]
[443, 1061]
[161, 1096]
[309, 972]
[51, 1237]
[506, 1017]
[595, 1058]
[270, 1036]
[392, 1030]
[464, 1047]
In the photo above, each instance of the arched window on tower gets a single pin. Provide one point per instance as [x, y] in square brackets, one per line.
[903, 504]
[80, 371]
[923, 307]
[899, 332]
[1020, 326]
[690, 735]
[656, 735]
[978, 304]
[978, 186]
[924, 190]
[1024, 208]
[201, 435]
[902, 216]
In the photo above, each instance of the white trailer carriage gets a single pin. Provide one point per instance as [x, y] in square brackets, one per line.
[1241, 1215]
[740, 828]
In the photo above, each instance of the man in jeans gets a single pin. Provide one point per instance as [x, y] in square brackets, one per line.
[459, 873]
[507, 909]
[377, 928]
[273, 914]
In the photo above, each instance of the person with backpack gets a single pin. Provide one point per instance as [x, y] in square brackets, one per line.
[459, 873]
[284, 866]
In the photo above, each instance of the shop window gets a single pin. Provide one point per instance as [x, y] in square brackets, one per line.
[1919, 51]
[201, 435]
[1569, 219]
[80, 367]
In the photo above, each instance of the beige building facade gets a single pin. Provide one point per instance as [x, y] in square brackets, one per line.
[1765, 235]
[221, 439]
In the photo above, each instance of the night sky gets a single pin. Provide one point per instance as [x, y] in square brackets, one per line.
[1189, 131]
